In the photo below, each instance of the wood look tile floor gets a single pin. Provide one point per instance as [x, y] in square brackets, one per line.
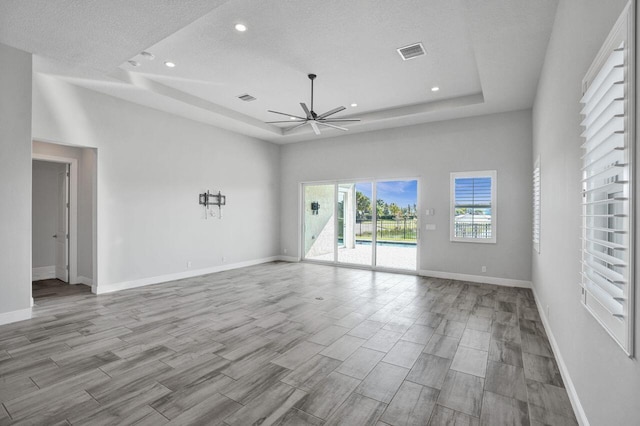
[286, 344]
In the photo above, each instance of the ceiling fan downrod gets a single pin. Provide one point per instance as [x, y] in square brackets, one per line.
[312, 77]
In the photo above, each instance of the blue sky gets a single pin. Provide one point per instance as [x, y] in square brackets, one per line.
[401, 192]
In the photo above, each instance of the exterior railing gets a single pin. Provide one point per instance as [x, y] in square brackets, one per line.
[472, 230]
[400, 229]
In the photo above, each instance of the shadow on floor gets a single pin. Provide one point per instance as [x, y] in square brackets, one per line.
[49, 289]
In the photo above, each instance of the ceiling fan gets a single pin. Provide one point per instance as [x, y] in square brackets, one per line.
[313, 119]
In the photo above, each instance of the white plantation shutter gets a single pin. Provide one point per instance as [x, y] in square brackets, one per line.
[536, 205]
[473, 206]
[607, 239]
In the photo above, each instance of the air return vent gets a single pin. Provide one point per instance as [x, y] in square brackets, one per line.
[246, 97]
[411, 51]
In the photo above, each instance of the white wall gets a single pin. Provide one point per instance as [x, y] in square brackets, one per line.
[151, 166]
[86, 174]
[87, 209]
[499, 142]
[44, 217]
[15, 179]
[606, 381]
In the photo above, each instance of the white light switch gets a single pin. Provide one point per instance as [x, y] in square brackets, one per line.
[430, 226]
[430, 212]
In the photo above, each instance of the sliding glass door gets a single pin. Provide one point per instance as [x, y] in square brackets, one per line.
[319, 222]
[397, 224]
[370, 224]
[354, 218]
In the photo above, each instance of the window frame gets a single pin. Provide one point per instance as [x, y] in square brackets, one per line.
[493, 175]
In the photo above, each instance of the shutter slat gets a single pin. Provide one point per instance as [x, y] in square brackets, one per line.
[614, 291]
[605, 76]
[612, 124]
[606, 300]
[614, 92]
[611, 260]
[613, 276]
[607, 110]
[607, 244]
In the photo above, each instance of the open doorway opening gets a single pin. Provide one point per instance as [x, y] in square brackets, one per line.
[63, 220]
[50, 221]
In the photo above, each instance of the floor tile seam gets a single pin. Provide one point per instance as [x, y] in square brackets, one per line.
[424, 386]
[7, 411]
[371, 397]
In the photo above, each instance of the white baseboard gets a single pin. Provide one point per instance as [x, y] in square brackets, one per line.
[43, 273]
[288, 259]
[84, 280]
[581, 416]
[124, 285]
[14, 316]
[507, 282]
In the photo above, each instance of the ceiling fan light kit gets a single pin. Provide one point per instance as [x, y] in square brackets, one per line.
[312, 118]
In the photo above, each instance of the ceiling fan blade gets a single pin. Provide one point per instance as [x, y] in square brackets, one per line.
[315, 127]
[286, 121]
[306, 110]
[338, 120]
[328, 113]
[288, 115]
[322, 123]
[292, 128]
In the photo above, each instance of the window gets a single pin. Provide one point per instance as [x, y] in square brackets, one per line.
[607, 231]
[473, 206]
[536, 205]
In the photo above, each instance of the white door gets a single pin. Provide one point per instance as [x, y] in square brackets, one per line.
[62, 232]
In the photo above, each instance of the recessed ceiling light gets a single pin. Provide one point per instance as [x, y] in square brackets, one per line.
[292, 118]
[435, 88]
[241, 27]
[134, 63]
[170, 64]
[354, 105]
[148, 55]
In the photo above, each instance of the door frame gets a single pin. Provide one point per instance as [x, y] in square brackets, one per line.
[374, 239]
[73, 209]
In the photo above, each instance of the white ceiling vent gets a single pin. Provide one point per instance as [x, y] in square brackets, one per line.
[411, 51]
[246, 97]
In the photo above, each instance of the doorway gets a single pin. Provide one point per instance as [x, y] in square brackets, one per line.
[64, 219]
[343, 225]
[50, 220]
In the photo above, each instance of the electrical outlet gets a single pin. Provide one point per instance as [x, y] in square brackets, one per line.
[188, 264]
[284, 251]
[484, 269]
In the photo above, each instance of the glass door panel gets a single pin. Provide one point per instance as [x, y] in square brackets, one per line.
[355, 223]
[319, 222]
[397, 224]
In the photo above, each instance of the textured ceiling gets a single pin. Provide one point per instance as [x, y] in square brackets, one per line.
[485, 56]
